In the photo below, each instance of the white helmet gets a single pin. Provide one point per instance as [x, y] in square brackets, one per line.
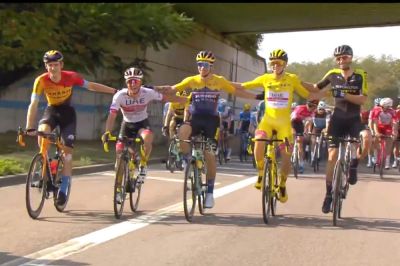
[386, 102]
[294, 104]
[321, 105]
[222, 101]
[133, 73]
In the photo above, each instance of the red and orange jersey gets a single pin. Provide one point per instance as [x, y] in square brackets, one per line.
[60, 92]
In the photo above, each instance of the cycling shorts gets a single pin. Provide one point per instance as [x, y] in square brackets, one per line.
[130, 130]
[281, 125]
[298, 127]
[385, 129]
[343, 126]
[63, 116]
[207, 123]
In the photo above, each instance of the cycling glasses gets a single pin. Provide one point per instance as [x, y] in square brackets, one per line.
[134, 81]
[276, 62]
[204, 64]
[342, 57]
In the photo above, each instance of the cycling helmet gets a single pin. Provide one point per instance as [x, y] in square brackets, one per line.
[246, 107]
[294, 104]
[207, 56]
[53, 56]
[312, 102]
[133, 73]
[386, 102]
[321, 105]
[222, 102]
[278, 54]
[343, 50]
[377, 101]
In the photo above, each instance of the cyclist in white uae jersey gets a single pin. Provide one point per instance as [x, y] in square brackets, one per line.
[133, 102]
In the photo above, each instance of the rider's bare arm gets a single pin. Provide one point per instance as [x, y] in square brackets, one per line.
[32, 112]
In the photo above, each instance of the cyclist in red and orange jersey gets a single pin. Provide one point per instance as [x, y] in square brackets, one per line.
[396, 141]
[57, 86]
[374, 146]
[386, 124]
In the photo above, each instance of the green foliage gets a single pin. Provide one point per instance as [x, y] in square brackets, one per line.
[85, 32]
[249, 42]
[383, 75]
[9, 167]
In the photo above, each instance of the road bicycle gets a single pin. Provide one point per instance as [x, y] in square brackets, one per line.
[44, 175]
[381, 156]
[250, 149]
[340, 181]
[195, 183]
[295, 157]
[127, 177]
[244, 140]
[271, 179]
[175, 158]
[317, 150]
[221, 147]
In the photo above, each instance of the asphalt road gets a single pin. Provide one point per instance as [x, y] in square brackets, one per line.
[232, 233]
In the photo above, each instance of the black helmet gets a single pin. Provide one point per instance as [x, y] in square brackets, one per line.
[343, 50]
[278, 54]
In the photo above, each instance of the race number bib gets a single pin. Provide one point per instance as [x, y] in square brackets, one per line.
[277, 99]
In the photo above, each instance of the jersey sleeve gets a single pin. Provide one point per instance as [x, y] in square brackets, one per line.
[300, 90]
[184, 84]
[115, 104]
[324, 81]
[226, 85]
[78, 80]
[255, 83]
[154, 95]
[364, 88]
[37, 87]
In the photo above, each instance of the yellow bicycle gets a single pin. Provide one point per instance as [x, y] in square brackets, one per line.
[270, 179]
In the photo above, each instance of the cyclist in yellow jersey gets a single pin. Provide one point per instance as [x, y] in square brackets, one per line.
[279, 87]
[174, 116]
[206, 90]
[57, 85]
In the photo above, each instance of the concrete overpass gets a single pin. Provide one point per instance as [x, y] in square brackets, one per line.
[245, 18]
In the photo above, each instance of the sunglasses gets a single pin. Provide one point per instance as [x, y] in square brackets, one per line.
[276, 62]
[134, 81]
[204, 64]
[343, 57]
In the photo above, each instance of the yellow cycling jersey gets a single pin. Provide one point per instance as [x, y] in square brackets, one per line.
[278, 93]
[177, 108]
[205, 93]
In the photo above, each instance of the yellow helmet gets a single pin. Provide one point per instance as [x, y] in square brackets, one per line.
[207, 56]
[278, 54]
[246, 107]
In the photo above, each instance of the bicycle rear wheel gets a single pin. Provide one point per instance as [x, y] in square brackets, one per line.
[295, 163]
[36, 185]
[189, 191]
[314, 157]
[57, 180]
[383, 161]
[337, 184]
[121, 178]
[221, 153]
[266, 191]
[171, 164]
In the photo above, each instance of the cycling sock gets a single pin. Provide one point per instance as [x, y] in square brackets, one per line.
[328, 188]
[210, 185]
[64, 183]
[283, 181]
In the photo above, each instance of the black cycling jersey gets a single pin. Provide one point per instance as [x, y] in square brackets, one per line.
[356, 84]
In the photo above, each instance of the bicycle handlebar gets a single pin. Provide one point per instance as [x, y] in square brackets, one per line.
[105, 144]
[21, 133]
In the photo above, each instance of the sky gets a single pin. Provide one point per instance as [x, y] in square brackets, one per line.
[314, 46]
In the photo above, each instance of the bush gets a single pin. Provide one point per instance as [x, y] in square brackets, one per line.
[10, 167]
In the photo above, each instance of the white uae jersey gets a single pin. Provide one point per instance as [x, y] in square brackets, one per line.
[134, 109]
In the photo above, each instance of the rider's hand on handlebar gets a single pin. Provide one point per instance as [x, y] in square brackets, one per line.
[31, 131]
[106, 136]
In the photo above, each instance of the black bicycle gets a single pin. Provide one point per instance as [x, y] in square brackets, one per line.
[127, 177]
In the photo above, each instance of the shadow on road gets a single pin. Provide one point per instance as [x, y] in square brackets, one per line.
[290, 220]
[7, 259]
[79, 216]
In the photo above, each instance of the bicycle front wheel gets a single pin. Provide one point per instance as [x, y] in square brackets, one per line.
[295, 163]
[337, 184]
[189, 191]
[121, 178]
[266, 191]
[134, 196]
[36, 185]
[274, 184]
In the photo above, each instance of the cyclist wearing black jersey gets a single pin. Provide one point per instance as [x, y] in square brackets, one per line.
[349, 89]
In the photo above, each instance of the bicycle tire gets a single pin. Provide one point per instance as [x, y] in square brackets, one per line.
[295, 164]
[61, 208]
[383, 160]
[266, 192]
[134, 197]
[274, 183]
[33, 172]
[337, 179]
[220, 153]
[120, 173]
[189, 191]
[314, 157]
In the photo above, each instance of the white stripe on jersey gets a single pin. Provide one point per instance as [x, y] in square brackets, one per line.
[134, 109]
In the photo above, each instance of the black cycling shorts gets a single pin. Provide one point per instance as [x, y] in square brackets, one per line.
[131, 130]
[207, 123]
[342, 127]
[298, 127]
[63, 116]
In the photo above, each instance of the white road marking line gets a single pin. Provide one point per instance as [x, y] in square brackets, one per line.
[79, 244]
